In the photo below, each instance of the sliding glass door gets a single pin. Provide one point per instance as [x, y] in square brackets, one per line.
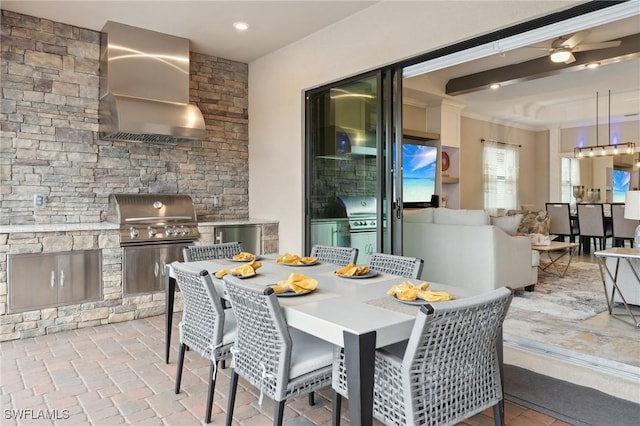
[349, 138]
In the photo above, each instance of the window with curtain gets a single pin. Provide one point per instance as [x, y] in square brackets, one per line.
[500, 170]
[569, 176]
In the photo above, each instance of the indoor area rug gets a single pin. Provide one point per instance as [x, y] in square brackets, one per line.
[578, 295]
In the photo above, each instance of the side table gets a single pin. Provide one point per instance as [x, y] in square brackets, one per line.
[557, 246]
[625, 254]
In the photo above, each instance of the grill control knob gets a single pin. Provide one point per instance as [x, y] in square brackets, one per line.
[184, 230]
[151, 231]
[168, 231]
[133, 232]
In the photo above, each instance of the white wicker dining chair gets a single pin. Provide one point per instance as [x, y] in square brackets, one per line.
[408, 267]
[446, 372]
[337, 255]
[206, 327]
[281, 362]
[213, 251]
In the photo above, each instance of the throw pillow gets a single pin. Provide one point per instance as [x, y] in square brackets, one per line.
[533, 222]
[508, 224]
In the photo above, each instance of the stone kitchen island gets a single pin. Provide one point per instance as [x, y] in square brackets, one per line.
[83, 302]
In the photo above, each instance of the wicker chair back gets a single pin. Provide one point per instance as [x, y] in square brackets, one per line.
[202, 323]
[214, 251]
[408, 267]
[446, 372]
[262, 351]
[337, 255]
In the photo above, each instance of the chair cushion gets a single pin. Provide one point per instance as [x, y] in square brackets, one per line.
[230, 329]
[508, 224]
[308, 353]
[395, 350]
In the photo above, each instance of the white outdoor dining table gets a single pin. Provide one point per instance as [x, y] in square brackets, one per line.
[356, 314]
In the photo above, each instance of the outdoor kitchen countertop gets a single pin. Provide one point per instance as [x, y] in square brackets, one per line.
[108, 226]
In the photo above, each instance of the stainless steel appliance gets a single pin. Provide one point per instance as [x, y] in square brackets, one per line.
[362, 222]
[154, 229]
[144, 87]
[249, 235]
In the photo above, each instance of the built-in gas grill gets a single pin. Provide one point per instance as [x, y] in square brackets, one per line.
[154, 229]
[360, 211]
[361, 215]
[153, 218]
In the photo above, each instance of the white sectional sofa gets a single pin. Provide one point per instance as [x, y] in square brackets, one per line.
[462, 248]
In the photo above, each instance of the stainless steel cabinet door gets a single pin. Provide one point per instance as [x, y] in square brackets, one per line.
[41, 280]
[249, 235]
[79, 276]
[32, 281]
[143, 266]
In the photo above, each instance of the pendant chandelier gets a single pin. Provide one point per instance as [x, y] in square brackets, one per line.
[602, 150]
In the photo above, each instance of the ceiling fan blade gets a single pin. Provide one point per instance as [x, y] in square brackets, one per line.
[595, 46]
[571, 59]
[575, 39]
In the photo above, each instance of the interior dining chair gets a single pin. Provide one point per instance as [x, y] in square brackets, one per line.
[623, 229]
[281, 362]
[560, 222]
[213, 251]
[446, 372]
[404, 266]
[337, 255]
[206, 327]
[592, 224]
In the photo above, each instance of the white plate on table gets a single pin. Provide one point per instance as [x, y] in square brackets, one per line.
[417, 302]
[291, 293]
[242, 277]
[231, 259]
[300, 264]
[369, 274]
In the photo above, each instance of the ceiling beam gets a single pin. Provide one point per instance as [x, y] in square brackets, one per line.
[542, 67]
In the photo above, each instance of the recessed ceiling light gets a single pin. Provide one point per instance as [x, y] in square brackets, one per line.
[495, 86]
[241, 26]
[593, 65]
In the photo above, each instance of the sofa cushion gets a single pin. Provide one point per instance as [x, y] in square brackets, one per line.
[419, 215]
[508, 224]
[444, 216]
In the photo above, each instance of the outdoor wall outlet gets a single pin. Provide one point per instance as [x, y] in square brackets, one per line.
[217, 200]
[38, 200]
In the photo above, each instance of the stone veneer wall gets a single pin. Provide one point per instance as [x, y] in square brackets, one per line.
[49, 76]
[49, 144]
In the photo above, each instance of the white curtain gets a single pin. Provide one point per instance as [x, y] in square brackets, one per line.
[500, 169]
[570, 177]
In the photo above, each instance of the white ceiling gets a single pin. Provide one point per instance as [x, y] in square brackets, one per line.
[207, 24]
[563, 100]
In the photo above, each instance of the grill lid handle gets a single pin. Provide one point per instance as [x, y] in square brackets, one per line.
[148, 218]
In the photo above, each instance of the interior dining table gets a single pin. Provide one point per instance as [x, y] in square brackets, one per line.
[354, 313]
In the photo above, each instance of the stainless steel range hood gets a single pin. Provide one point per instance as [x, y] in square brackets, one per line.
[144, 87]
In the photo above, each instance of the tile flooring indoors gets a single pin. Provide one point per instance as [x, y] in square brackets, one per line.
[115, 374]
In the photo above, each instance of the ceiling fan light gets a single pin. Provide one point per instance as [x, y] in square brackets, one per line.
[560, 55]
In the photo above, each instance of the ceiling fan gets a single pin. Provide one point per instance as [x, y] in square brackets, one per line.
[562, 48]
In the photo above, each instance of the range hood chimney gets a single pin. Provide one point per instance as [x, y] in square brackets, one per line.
[144, 87]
